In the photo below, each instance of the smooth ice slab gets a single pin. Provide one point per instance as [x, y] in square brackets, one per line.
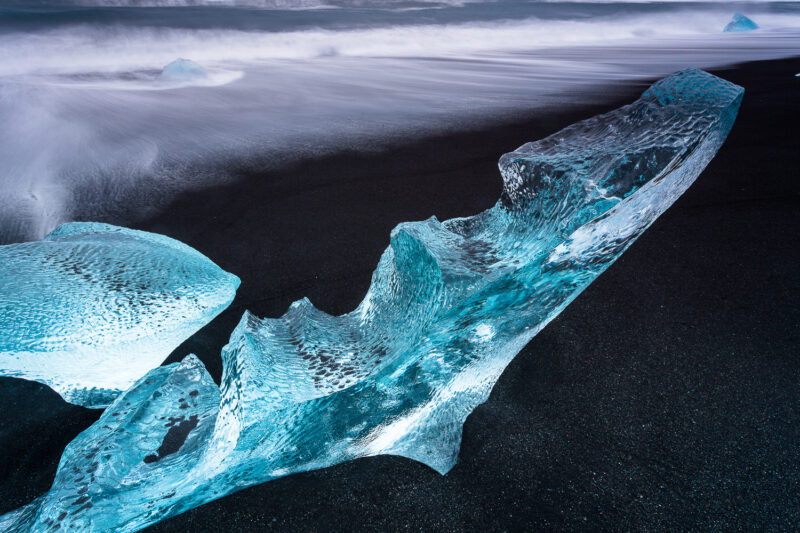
[451, 303]
[92, 307]
[740, 22]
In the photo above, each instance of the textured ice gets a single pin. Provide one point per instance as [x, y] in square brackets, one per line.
[451, 303]
[740, 22]
[92, 307]
[181, 71]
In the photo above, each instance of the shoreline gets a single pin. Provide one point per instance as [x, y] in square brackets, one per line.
[573, 403]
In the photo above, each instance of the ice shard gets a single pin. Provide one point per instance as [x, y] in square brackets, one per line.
[451, 303]
[92, 307]
[740, 22]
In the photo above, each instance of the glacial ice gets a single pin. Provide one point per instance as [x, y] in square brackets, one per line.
[92, 307]
[182, 71]
[740, 22]
[451, 303]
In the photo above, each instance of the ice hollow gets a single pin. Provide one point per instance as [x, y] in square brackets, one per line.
[451, 303]
[92, 307]
[740, 22]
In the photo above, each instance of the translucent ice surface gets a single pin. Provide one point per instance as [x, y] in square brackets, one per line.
[740, 22]
[451, 303]
[92, 307]
[182, 71]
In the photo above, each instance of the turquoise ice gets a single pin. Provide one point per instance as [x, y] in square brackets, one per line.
[740, 22]
[92, 307]
[451, 303]
[181, 71]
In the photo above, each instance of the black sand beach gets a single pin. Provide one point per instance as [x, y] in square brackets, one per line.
[665, 398]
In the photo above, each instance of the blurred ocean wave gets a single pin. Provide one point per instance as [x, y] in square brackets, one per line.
[87, 133]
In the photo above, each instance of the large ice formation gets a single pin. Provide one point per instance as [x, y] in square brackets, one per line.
[451, 303]
[182, 71]
[92, 307]
[740, 22]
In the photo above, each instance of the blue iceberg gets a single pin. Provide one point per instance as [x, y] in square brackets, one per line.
[182, 71]
[92, 307]
[451, 303]
[740, 22]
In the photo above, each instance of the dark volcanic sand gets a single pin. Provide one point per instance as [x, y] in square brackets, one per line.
[665, 398]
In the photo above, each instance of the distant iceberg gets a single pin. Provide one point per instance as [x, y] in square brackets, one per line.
[92, 307]
[451, 303]
[740, 22]
[183, 71]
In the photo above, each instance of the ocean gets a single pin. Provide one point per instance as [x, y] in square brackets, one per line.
[88, 133]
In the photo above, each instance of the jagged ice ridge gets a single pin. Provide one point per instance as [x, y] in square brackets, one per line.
[451, 303]
[93, 307]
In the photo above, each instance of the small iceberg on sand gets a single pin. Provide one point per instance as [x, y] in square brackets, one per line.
[740, 22]
[183, 71]
[92, 307]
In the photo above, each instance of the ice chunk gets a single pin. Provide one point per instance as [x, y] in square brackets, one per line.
[740, 22]
[92, 307]
[451, 303]
[172, 409]
[183, 71]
